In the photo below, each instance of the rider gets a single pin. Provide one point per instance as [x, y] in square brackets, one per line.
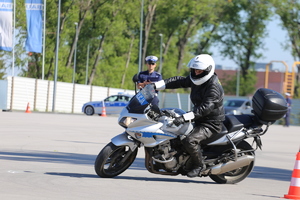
[150, 76]
[207, 96]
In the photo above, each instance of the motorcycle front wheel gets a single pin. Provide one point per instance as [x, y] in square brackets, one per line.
[239, 174]
[114, 160]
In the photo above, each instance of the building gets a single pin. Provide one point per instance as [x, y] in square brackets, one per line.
[279, 81]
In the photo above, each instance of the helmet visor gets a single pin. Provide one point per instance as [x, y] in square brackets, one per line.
[198, 76]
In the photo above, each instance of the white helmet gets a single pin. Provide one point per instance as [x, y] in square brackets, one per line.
[151, 59]
[203, 62]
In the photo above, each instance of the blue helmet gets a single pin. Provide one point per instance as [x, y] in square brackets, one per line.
[151, 59]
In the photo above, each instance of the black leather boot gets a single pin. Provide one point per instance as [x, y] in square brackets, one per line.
[198, 164]
[194, 172]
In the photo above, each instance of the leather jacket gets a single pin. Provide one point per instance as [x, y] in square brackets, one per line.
[207, 98]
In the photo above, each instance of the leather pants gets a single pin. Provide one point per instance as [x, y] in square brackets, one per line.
[192, 144]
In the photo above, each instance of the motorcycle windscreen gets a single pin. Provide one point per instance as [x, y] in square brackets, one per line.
[141, 100]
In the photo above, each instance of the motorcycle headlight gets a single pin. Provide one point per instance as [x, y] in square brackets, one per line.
[233, 112]
[125, 121]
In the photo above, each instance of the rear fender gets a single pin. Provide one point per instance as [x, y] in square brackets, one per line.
[124, 140]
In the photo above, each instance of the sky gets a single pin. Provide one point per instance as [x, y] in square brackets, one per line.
[273, 45]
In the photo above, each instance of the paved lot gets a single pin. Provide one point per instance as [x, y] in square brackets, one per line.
[51, 156]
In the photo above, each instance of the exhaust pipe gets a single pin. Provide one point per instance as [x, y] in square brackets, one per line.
[231, 165]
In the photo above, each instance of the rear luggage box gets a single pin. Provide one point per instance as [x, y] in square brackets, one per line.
[268, 105]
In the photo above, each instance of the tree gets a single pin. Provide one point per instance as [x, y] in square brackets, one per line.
[84, 8]
[246, 86]
[242, 31]
[288, 11]
[186, 27]
[110, 29]
[2, 70]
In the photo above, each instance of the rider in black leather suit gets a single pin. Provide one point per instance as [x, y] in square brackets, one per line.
[207, 96]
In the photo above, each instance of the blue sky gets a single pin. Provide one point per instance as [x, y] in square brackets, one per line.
[273, 45]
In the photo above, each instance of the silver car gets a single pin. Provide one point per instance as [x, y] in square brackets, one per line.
[113, 105]
[238, 106]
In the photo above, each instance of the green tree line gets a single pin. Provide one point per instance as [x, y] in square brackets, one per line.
[108, 37]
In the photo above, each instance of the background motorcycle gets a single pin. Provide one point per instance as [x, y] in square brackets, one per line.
[228, 157]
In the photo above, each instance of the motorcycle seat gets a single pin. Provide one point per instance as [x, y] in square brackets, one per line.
[224, 131]
[232, 123]
[237, 122]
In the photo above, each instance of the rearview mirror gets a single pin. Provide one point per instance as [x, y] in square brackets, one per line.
[135, 78]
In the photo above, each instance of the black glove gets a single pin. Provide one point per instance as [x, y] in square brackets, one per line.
[178, 120]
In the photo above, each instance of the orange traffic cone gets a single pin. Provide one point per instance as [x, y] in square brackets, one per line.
[103, 114]
[28, 109]
[294, 191]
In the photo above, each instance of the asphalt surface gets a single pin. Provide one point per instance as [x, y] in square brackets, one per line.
[51, 156]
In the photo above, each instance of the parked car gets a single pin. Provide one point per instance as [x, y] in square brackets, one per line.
[238, 106]
[113, 105]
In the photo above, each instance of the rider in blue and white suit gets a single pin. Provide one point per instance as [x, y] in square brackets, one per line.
[150, 76]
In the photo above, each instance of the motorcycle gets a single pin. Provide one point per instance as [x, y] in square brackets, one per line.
[228, 157]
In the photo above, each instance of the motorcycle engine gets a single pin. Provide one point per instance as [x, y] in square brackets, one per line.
[168, 156]
[164, 154]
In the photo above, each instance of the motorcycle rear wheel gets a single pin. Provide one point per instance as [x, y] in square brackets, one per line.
[109, 162]
[239, 174]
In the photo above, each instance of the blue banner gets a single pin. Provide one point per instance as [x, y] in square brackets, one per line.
[6, 15]
[34, 16]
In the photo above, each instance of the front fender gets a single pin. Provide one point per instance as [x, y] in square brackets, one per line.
[124, 140]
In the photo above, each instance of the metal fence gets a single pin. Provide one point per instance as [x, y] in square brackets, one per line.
[17, 92]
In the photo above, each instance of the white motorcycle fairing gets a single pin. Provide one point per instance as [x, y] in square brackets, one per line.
[150, 133]
[123, 139]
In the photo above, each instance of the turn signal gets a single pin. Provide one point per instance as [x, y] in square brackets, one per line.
[138, 135]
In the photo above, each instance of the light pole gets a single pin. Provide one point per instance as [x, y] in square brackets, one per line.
[87, 63]
[141, 36]
[13, 42]
[238, 82]
[44, 40]
[56, 56]
[76, 38]
[238, 73]
[160, 58]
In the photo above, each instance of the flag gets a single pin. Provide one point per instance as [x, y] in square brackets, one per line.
[34, 16]
[6, 38]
